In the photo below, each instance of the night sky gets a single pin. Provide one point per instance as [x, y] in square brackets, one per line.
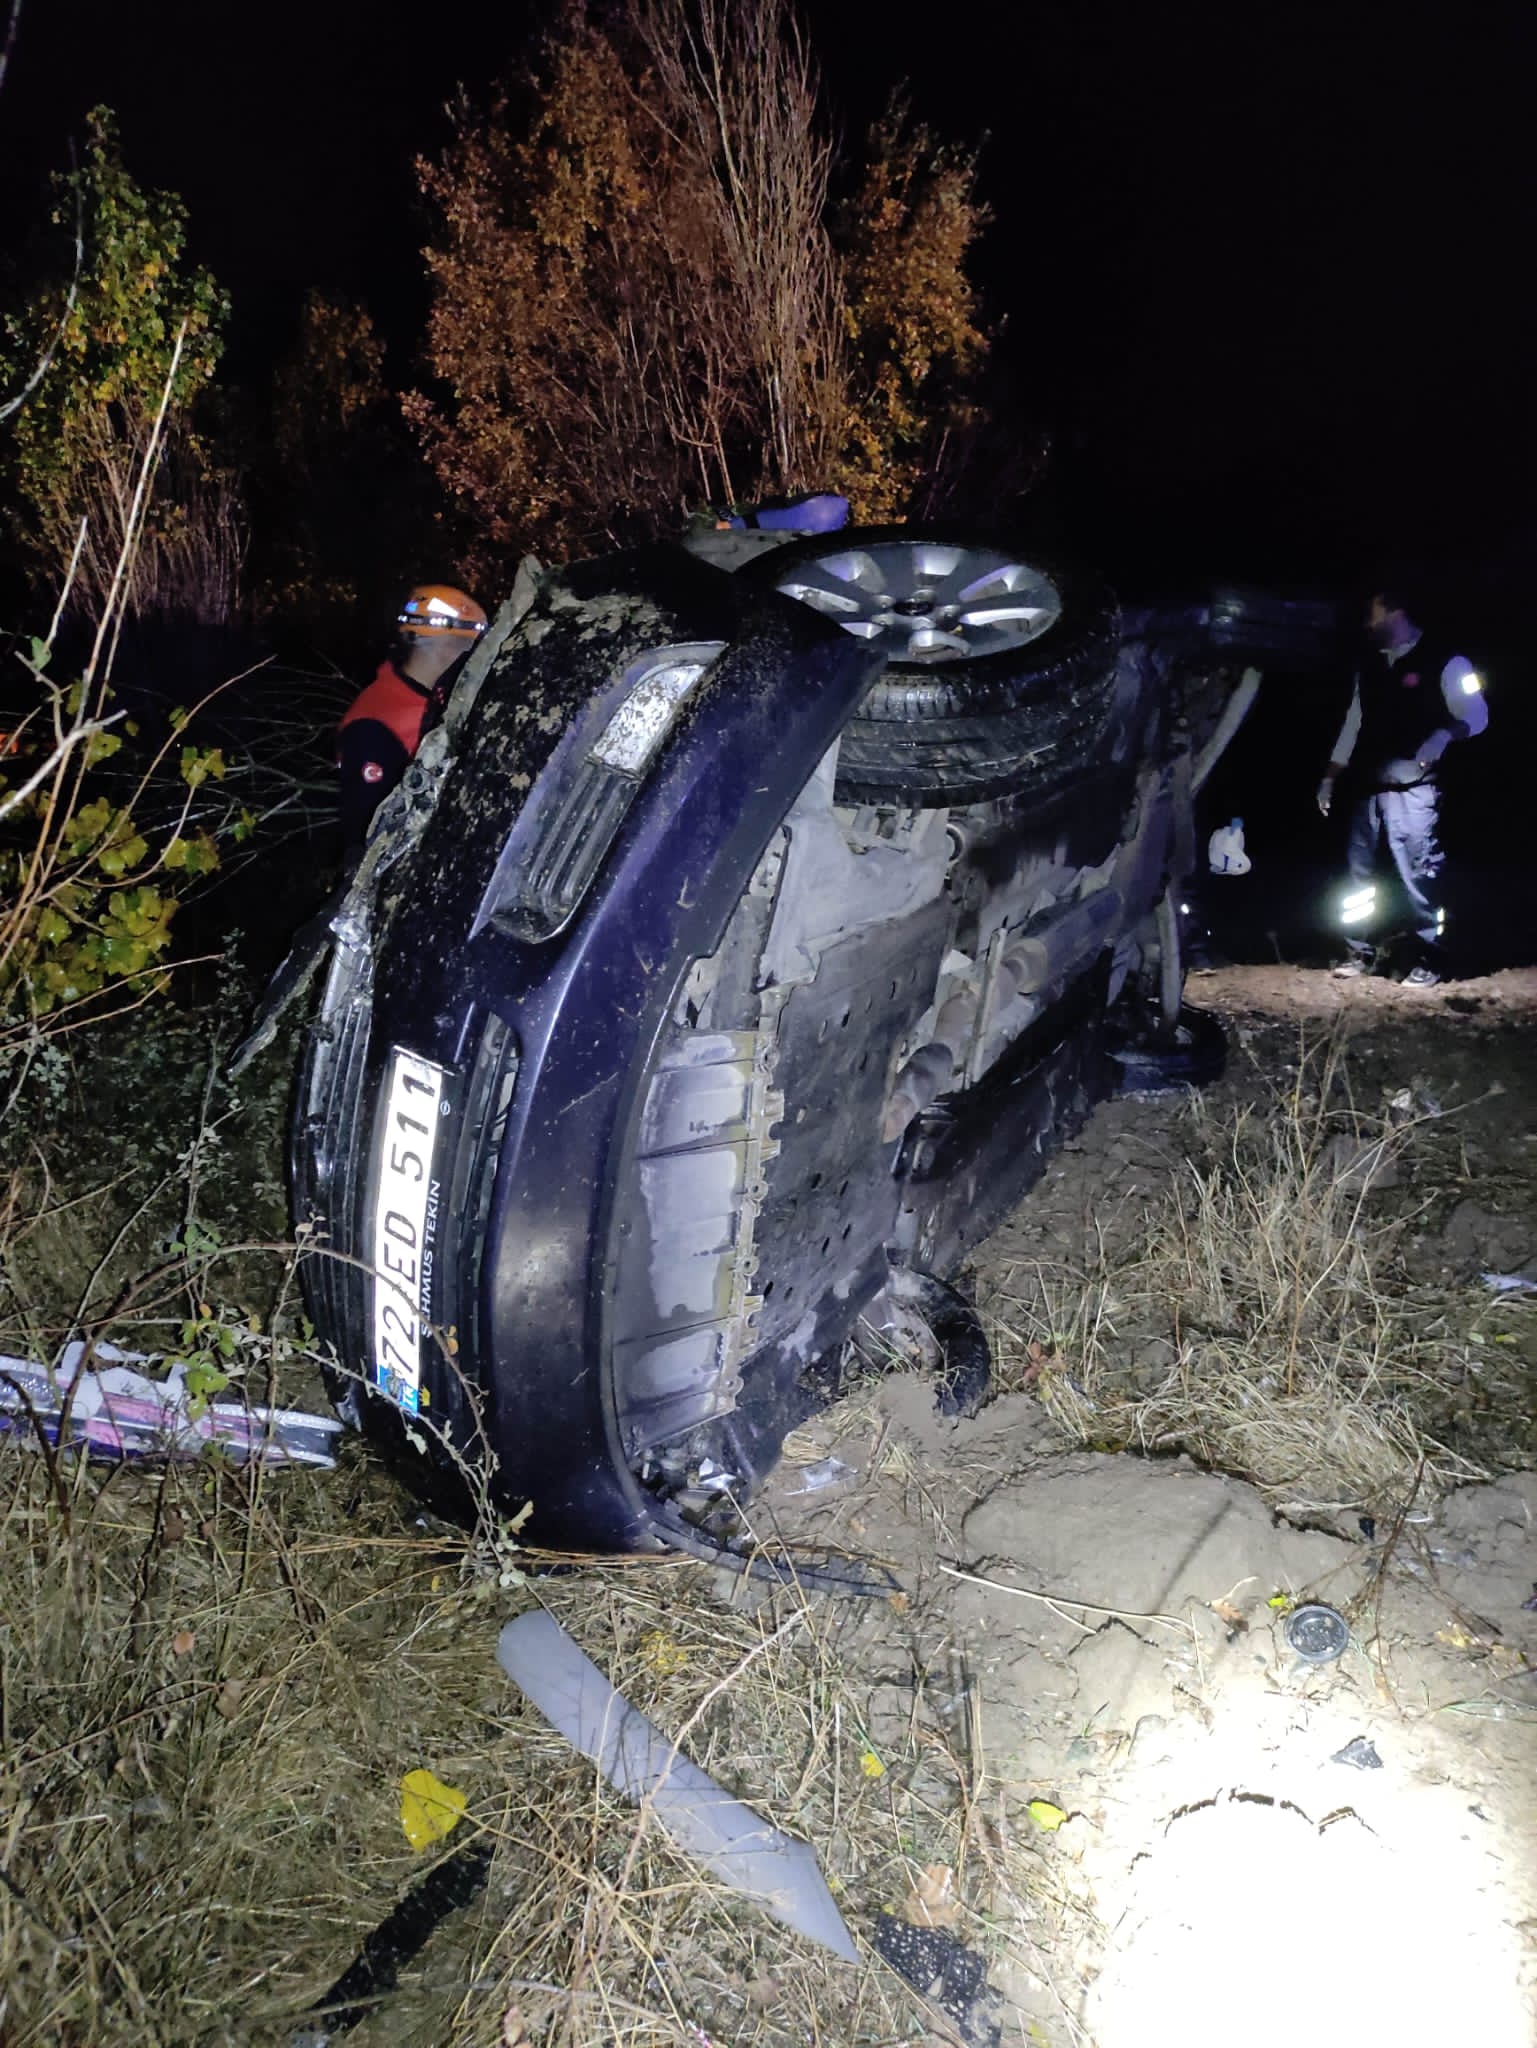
[1265, 271]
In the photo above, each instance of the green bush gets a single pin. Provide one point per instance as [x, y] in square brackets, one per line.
[99, 349]
[94, 853]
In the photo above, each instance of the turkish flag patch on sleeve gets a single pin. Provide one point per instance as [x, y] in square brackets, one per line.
[372, 772]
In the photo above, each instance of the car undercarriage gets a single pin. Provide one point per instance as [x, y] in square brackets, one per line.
[730, 962]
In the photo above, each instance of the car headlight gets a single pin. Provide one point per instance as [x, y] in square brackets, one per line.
[548, 867]
[654, 691]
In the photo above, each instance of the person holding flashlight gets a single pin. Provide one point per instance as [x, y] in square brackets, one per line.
[1413, 698]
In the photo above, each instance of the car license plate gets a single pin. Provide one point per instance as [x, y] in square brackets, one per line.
[405, 1226]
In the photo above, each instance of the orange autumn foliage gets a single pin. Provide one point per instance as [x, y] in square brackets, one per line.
[911, 312]
[643, 300]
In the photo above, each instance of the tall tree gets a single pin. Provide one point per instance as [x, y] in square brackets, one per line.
[644, 301]
[593, 380]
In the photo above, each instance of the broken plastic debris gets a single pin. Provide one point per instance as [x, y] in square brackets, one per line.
[943, 1969]
[741, 1848]
[110, 1410]
[450, 1884]
[1046, 1815]
[429, 1809]
[1510, 1283]
[1361, 1753]
[825, 1472]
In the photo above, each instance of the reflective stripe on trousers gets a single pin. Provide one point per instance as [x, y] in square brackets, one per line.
[1403, 822]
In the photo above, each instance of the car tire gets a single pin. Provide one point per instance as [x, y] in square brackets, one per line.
[1025, 710]
[1235, 625]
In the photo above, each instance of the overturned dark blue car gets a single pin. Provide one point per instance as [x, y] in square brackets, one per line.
[760, 918]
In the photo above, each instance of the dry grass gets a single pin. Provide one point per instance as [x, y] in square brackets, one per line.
[196, 1773]
[1264, 1319]
[214, 1682]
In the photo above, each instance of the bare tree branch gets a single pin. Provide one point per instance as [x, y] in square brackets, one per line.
[736, 87]
[10, 40]
[45, 361]
[69, 579]
[77, 736]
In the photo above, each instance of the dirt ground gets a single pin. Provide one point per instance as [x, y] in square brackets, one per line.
[1253, 1845]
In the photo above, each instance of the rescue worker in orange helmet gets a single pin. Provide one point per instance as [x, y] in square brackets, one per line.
[382, 728]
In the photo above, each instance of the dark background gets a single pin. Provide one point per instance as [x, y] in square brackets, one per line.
[1264, 274]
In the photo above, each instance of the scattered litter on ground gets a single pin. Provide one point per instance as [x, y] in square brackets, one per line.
[429, 1809]
[397, 1940]
[1359, 1753]
[237, 1674]
[110, 1409]
[1318, 1633]
[825, 1472]
[944, 1970]
[1047, 1816]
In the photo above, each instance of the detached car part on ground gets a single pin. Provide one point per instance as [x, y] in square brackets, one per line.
[728, 965]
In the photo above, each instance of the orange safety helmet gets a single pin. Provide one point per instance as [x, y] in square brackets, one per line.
[434, 608]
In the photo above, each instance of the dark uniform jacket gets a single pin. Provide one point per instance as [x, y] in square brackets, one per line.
[1401, 706]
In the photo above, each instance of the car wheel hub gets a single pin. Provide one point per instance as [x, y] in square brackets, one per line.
[926, 602]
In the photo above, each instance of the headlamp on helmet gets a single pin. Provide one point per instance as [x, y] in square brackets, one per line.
[434, 608]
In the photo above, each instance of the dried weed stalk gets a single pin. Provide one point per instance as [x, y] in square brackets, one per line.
[1265, 1320]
